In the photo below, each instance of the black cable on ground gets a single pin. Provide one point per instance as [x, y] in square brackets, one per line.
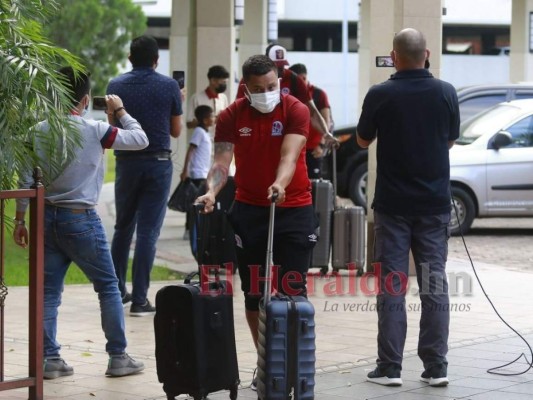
[494, 370]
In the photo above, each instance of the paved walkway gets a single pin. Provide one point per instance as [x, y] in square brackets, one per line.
[346, 336]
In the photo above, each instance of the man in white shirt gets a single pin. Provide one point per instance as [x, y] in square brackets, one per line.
[213, 96]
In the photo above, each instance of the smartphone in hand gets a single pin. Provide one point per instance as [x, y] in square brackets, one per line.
[99, 103]
[384, 61]
[179, 76]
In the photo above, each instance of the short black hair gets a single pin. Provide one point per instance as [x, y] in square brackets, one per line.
[217, 72]
[298, 69]
[144, 51]
[258, 65]
[78, 84]
[201, 113]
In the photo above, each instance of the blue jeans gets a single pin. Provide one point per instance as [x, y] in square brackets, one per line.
[141, 193]
[427, 237]
[78, 236]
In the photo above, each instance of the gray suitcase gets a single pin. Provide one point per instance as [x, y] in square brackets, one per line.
[286, 344]
[323, 203]
[348, 238]
[348, 242]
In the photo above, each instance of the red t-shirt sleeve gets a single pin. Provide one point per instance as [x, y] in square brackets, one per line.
[299, 120]
[225, 129]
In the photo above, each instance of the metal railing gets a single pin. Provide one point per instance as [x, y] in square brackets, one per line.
[34, 380]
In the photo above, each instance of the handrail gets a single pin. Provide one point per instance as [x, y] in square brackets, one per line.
[34, 381]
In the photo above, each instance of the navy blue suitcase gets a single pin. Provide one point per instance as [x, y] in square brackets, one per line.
[286, 345]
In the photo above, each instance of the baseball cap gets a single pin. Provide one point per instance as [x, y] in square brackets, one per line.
[278, 54]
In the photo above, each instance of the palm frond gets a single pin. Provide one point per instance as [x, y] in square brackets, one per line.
[31, 90]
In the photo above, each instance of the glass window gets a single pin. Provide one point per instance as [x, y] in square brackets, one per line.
[470, 107]
[491, 120]
[522, 133]
[315, 36]
[523, 94]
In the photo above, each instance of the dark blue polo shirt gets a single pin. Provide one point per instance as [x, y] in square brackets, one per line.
[151, 98]
[413, 115]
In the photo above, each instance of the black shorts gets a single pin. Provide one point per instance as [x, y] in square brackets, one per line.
[295, 234]
[314, 165]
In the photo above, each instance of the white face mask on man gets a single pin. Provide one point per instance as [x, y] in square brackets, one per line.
[264, 102]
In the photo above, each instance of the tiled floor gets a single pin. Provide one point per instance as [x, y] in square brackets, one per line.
[346, 337]
[345, 349]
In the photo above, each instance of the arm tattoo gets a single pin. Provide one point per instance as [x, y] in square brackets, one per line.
[217, 178]
[221, 147]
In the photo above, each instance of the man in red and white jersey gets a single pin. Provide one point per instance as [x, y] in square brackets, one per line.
[291, 83]
[314, 148]
[266, 131]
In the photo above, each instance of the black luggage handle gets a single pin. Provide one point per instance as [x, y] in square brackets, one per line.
[334, 175]
[188, 279]
[270, 244]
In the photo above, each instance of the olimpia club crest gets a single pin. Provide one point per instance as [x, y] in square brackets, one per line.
[277, 128]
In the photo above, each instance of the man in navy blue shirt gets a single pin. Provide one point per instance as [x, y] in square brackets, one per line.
[143, 178]
[416, 120]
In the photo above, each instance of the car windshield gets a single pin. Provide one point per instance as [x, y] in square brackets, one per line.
[492, 120]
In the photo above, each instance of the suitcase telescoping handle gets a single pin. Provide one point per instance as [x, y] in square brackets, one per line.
[269, 255]
[334, 174]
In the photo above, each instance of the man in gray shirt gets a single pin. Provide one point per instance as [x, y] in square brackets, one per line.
[73, 230]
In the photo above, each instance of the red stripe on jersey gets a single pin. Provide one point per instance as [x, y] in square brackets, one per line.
[109, 137]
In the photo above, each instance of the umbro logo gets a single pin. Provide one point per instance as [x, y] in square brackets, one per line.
[313, 238]
[245, 131]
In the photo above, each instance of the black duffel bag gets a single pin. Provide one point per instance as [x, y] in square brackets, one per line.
[184, 196]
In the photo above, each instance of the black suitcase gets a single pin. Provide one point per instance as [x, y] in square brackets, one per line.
[286, 345]
[323, 204]
[195, 336]
[195, 341]
[217, 247]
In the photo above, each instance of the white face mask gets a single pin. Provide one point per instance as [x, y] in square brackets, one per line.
[264, 102]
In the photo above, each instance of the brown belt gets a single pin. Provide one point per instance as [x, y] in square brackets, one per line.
[79, 210]
[72, 210]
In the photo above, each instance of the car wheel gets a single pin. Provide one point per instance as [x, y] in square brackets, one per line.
[463, 211]
[358, 182]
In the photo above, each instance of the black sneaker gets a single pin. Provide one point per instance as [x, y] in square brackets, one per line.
[122, 365]
[137, 310]
[55, 368]
[386, 376]
[126, 298]
[437, 375]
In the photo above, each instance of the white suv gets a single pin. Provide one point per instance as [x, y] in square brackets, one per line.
[491, 165]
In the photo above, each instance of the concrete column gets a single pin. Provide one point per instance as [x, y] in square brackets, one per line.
[521, 57]
[202, 34]
[180, 47]
[379, 20]
[215, 39]
[253, 33]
